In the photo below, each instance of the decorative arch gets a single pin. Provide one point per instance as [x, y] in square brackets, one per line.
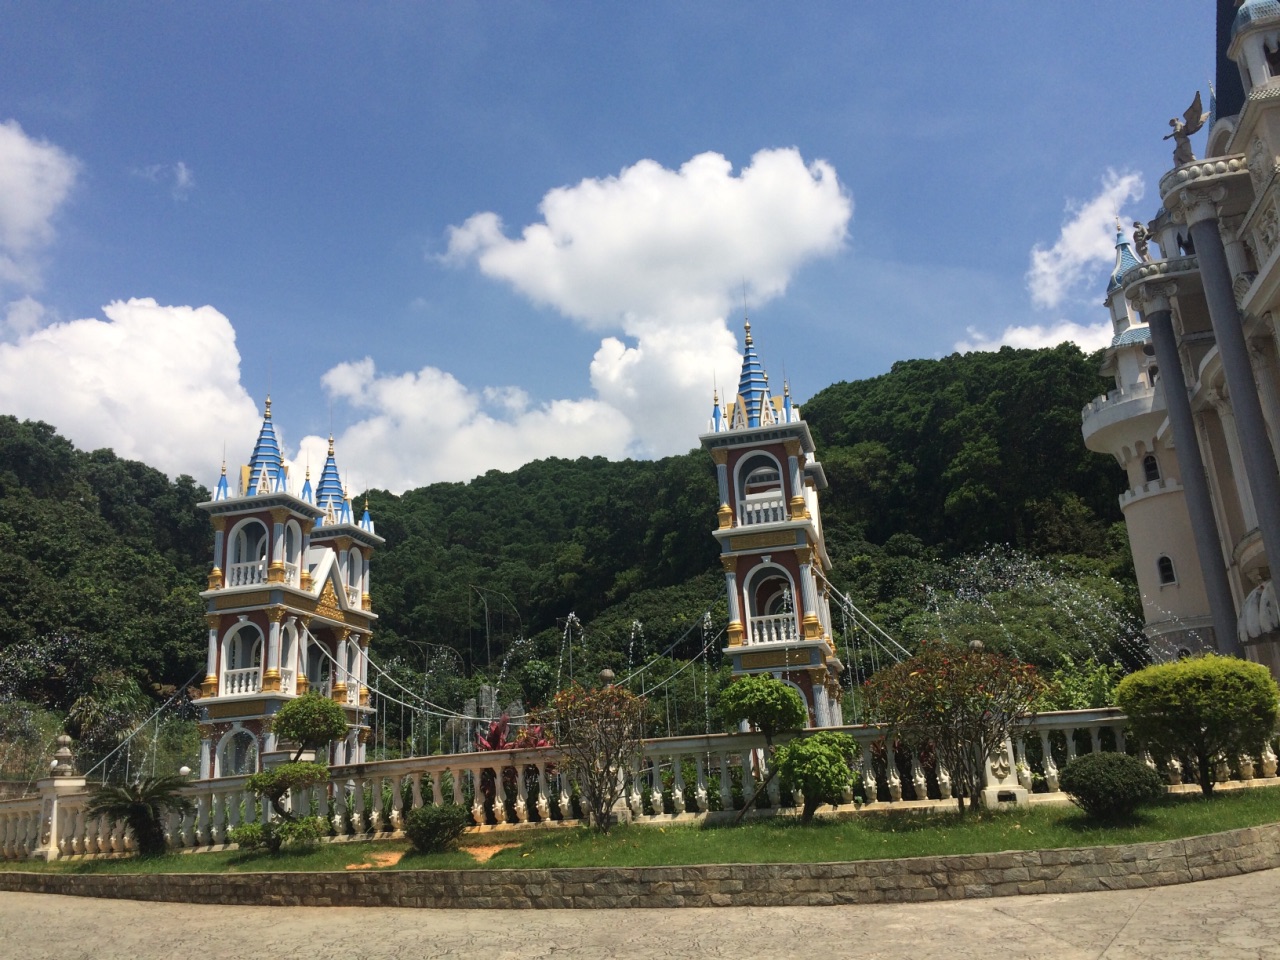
[1165, 571]
[237, 753]
[771, 606]
[293, 549]
[247, 547]
[758, 465]
[1150, 468]
[355, 570]
[242, 650]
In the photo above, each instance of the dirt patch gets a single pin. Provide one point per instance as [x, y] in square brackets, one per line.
[379, 860]
[485, 852]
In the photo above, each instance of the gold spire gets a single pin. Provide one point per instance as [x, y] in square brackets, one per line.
[331, 444]
[266, 414]
[786, 388]
[747, 324]
[224, 466]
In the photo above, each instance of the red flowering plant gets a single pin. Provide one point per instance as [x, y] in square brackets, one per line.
[498, 737]
[961, 702]
[601, 732]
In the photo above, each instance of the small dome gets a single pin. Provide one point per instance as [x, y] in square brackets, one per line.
[1255, 12]
[1132, 335]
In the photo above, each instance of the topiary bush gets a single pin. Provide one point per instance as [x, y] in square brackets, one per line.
[1199, 708]
[301, 832]
[1110, 786]
[435, 829]
[819, 766]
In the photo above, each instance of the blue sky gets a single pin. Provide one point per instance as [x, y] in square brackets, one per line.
[346, 186]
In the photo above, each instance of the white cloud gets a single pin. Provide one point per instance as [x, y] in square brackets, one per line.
[661, 256]
[1089, 338]
[178, 176]
[22, 317]
[426, 426]
[1085, 243]
[35, 179]
[155, 383]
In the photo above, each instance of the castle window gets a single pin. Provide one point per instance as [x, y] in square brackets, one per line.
[1150, 468]
[239, 754]
[1165, 567]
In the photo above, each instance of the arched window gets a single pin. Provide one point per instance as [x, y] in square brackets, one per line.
[1165, 568]
[1150, 468]
[239, 754]
[248, 564]
[245, 649]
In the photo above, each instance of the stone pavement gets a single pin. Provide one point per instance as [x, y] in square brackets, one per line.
[1235, 917]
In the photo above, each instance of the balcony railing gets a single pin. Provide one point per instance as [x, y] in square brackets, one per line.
[286, 681]
[771, 510]
[353, 596]
[248, 680]
[291, 574]
[776, 629]
[247, 574]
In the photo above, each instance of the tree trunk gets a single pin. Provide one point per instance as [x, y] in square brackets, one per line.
[811, 805]
[1205, 764]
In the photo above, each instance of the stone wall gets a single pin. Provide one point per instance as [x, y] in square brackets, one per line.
[792, 884]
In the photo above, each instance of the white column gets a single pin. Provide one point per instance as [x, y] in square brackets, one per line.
[1264, 370]
[1228, 420]
[364, 579]
[211, 657]
[273, 643]
[206, 758]
[342, 662]
[219, 537]
[793, 467]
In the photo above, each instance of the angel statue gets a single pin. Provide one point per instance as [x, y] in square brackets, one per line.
[1142, 235]
[1190, 123]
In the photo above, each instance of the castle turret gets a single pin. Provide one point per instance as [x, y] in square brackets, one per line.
[771, 542]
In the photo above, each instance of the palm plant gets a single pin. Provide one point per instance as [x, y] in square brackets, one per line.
[142, 806]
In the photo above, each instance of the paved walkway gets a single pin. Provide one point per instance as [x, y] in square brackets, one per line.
[1212, 920]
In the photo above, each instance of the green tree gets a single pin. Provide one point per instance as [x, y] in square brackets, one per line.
[820, 766]
[766, 703]
[1200, 708]
[143, 807]
[963, 702]
[310, 722]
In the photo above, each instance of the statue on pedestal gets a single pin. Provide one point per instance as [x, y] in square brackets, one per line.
[1190, 123]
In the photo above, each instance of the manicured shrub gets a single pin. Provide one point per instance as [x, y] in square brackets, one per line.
[436, 828]
[765, 702]
[301, 832]
[1199, 708]
[311, 721]
[1110, 786]
[819, 766]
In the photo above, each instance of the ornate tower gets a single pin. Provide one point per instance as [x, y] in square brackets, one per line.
[1128, 423]
[771, 543]
[288, 609]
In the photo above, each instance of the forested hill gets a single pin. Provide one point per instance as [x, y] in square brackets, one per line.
[101, 559]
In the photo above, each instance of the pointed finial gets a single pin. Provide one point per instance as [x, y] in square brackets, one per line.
[786, 388]
[331, 444]
[308, 470]
[224, 466]
[266, 414]
[366, 501]
[747, 324]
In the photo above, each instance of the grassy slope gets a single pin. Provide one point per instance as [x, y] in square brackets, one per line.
[777, 841]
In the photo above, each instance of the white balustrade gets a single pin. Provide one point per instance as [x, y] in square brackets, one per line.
[771, 509]
[287, 680]
[779, 628]
[353, 596]
[248, 680]
[247, 574]
[291, 574]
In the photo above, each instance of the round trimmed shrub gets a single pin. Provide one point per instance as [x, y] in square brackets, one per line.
[1110, 786]
[435, 829]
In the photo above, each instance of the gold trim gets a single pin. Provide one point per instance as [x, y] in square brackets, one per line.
[730, 564]
[279, 514]
[209, 688]
[219, 524]
[245, 708]
[364, 696]
[777, 538]
[720, 455]
[736, 633]
[327, 605]
[255, 599]
[798, 509]
[275, 572]
[206, 730]
[339, 693]
[215, 579]
[725, 516]
[271, 681]
[214, 620]
[792, 447]
[366, 601]
[773, 658]
[276, 614]
[812, 628]
[302, 684]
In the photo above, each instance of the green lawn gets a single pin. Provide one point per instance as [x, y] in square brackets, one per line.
[784, 840]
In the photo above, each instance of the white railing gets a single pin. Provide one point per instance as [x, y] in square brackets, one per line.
[291, 574]
[771, 510]
[780, 628]
[287, 681]
[353, 690]
[247, 574]
[353, 596]
[248, 680]
[678, 776]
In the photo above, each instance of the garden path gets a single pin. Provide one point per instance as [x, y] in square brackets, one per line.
[1229, 918]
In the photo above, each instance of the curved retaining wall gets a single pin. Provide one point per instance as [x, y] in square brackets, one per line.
[730, 885]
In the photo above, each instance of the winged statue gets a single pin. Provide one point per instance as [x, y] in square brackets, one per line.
[1190, 123]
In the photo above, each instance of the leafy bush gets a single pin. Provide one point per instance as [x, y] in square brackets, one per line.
[273, 784]
[279, 833]
[436, 828]
[311, 721]
[962, 701]
[1199, 708]
[766, 703]
[1110, 786]
[1082, 685]
[820, 767]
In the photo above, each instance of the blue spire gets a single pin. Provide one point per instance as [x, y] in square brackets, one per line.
[1125, 260]
[306, 489]
[329, 494]
[222, 492]
[717, 414]
[266, 465]
[786, 402]
[753, 383]
[366, 521]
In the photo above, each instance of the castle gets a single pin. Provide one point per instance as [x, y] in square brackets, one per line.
[1194, 418]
